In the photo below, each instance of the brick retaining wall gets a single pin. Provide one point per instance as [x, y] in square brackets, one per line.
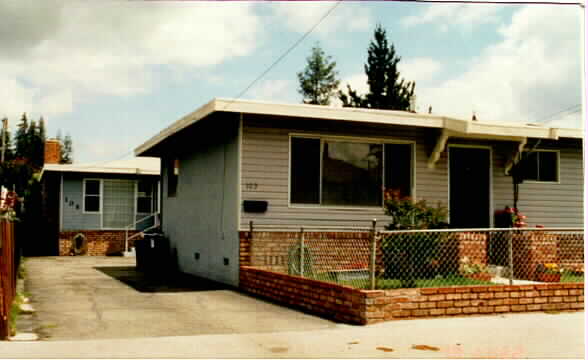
[99, 242]
[370, 306]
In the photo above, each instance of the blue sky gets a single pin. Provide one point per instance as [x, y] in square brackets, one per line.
[112, 74]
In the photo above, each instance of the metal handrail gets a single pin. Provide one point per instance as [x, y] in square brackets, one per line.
[128, 227]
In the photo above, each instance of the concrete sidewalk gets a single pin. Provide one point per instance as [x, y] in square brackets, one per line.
[529, 335]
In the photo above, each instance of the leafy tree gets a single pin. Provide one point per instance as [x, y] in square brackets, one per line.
[318, 81]
[67, 150]
[386, 89]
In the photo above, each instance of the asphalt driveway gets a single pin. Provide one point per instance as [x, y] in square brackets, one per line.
[79, 298]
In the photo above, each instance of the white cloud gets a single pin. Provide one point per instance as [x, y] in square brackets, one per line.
[421, 70]
[535, 70]
[83, 48]
[301, 16]
[446, 15]
[357, 82]
[272, 90]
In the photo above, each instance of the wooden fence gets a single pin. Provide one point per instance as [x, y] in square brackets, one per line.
[8, 268]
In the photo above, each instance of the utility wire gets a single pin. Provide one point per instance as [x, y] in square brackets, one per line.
[259, 77]
[281, 57]
[574, 108]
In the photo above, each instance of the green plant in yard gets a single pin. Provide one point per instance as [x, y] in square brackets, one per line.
[412, 256]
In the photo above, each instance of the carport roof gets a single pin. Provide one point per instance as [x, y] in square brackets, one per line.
[456, 127]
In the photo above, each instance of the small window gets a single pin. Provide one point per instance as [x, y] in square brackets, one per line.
[541, 166]
[173, 171]
[92, 196]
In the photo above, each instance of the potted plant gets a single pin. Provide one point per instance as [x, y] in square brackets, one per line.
[549, 272]
[474, 270]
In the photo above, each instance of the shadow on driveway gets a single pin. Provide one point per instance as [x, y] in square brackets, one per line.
[168, 282]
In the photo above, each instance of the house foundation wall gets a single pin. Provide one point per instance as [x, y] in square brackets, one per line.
[356, 306]
[98, 242]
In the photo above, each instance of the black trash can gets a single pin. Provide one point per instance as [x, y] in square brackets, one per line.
[152, 252]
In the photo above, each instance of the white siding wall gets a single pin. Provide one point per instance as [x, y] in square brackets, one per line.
[265, 167]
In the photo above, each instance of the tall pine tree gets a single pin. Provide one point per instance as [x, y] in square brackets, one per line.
[386, 89]
[22, 143]
[318, 81]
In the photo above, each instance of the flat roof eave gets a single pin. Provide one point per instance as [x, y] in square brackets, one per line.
[359, 115]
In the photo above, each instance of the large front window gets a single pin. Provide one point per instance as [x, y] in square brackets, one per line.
[335, 172]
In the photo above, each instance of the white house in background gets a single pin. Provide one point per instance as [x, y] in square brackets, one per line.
[103, 201]
[285, 166]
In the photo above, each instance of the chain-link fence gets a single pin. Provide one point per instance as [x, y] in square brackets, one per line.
[370, 259]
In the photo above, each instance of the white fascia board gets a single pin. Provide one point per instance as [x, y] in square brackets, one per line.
[299, 111]
[372, 116]
[83, 169]
[388, 117]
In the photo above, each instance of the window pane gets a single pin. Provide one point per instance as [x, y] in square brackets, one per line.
[144, 205]
[352, 174]
[118, 210]
[398, 165]
[547, 166]
[305, 171]
[92, 187]
[144, 188]
[92, 203]
[529, 166]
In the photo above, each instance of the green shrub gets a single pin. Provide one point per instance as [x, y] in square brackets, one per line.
[412, 256]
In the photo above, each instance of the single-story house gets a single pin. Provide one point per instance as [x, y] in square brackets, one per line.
[105, 202]
[286, 166]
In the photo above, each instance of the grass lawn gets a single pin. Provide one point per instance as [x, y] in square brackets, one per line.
[567, 278]
[397, 283]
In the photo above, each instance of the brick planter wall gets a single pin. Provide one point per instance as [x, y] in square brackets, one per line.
[347, 250]
[532, 249]
[99, 242]
[370, 306]
[571, 251]
[269, 249]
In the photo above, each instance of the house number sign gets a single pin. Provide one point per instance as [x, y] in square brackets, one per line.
[250, 186]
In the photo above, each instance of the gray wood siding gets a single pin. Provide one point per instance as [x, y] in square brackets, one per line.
[265, 163]
[74, 217]
[549, 204]
[203, 216]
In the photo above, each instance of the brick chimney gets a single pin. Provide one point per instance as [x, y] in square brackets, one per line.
[52, 151]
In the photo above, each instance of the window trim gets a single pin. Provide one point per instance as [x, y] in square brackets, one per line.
[100, 196]
[346, 138]
[557, 165]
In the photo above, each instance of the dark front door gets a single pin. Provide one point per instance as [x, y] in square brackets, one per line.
[469, 187]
